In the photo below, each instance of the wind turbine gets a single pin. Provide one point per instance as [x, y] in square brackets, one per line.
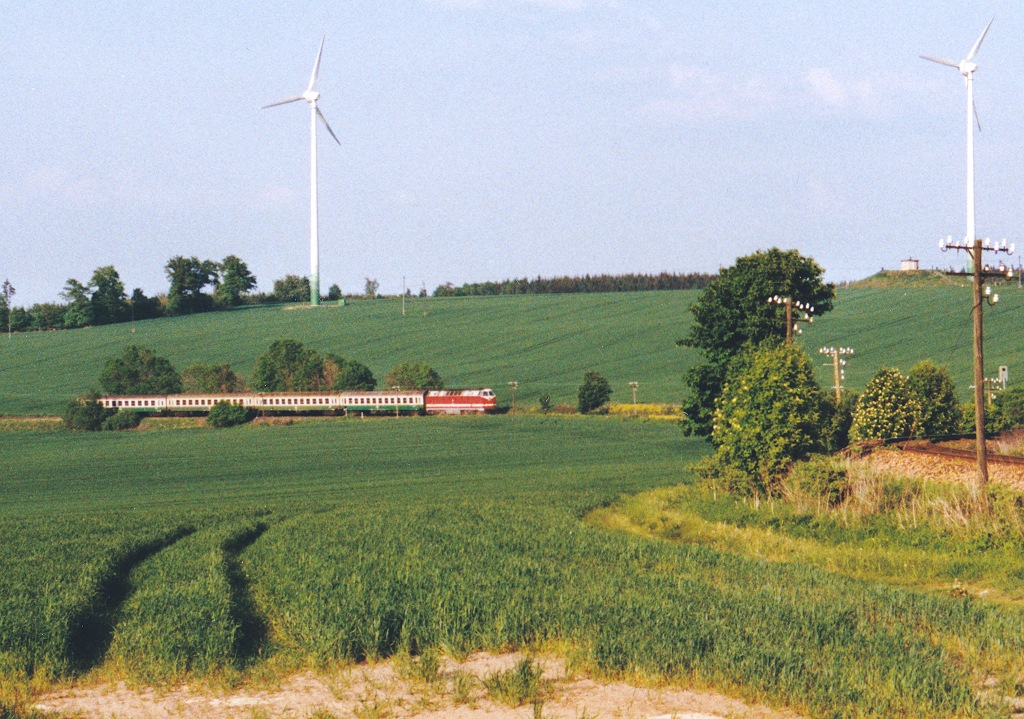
[311, 96]
[967, 66]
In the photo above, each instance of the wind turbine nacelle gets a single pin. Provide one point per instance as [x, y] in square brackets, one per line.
[311, 95]
[967, 68]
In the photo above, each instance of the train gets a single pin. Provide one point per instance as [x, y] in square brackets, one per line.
[397, 401]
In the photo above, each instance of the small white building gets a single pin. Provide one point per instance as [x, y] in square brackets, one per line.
[910, 265]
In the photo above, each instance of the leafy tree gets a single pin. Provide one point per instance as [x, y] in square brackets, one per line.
[413, 375]
[288, 366]
[334, 293]
[593, 393]
[109, 302]
[7, 291]
[370, 290]
[235, 281]
[139, 371]
[144, 308]
[344, 374]
[887, 408]
[80, 310]
[933, 387]
[733, 314]
[768, 415]
[85, 413]
[47, 316]
[200, 378]
[19, 320]
[545, 402]
[225, 414]
[188, 277]
[291, 288]
[1007, 411]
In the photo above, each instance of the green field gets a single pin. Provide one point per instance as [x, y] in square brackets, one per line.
[545, 342]
[154, 553]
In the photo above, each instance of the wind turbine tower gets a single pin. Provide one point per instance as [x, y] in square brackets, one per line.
[967, 66]
[311, 96]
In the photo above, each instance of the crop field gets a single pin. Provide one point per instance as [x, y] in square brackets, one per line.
[151, 554]
[544, 342]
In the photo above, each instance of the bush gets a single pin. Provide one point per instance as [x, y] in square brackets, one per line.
[933, 387]
[1007, 412]
[122, 419]
[545, 402]
[85, 413]
[769, 415]
[594, 392]
[225, 414]
[837, 428]
[820, 477]
[888, 408]
[413, 375]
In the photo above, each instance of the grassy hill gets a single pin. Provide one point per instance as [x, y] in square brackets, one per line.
[545, 342]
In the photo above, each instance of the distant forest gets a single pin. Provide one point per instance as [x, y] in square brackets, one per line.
[587, 283]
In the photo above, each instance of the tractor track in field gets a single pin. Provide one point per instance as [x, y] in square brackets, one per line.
[91, 630]
[253, 628]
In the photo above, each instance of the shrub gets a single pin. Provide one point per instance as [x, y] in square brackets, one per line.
[545, 402]
[933, 387]
[769, 414]
[594, 392]
[1007, 411]
[887, 408]
[85, 413]
[347, 375]
[225, 414]
[837, 428]
[820, 477]
[413, 375]
[122, 419]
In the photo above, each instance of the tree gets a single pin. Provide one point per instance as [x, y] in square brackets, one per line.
[733, 314]
[370, 289]
[344, 374]
[594, 392]
[80, 311]
[933, 387]
[139, 371]
[1007, 412]
[109, 302]
[288, 366]
[188, 277]
[200, 378]
[291, 288]
[413, 375]
[886, 409]
[225, 414]
[144, 308]
[334, 293]
[85, 413]
[768, 415]
[235, 281]
[8, 291]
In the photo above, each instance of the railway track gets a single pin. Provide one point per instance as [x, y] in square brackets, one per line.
[931, 448]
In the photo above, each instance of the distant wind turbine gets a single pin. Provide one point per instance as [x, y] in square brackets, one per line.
[967, 67]
[311, 96]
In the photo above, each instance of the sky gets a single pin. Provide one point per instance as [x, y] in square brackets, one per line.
[489, 139]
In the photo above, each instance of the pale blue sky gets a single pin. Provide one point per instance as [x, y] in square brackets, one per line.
[485, 139]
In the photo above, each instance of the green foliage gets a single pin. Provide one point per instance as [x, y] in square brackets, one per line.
[818, 477]
[839, 419]
[934, 390]
[413, 375]
[370, 289]
[235, 281]
[347, 375]
[594, 392]
[288, 366]
[109, 302]
[85, 413]
[516, 685]
[122, 420]
[769, 415]
[188, 276]
[733, 313]
[292, 288]
[226, 414]
[334, 293]
[1007, 411]
[139, 371]
[886, 409]
[79, 312]
[200, 378]
[545, 402]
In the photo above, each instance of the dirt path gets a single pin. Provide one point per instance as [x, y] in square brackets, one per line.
[388, 690]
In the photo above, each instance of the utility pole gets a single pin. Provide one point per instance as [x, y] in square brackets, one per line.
[634, 386]
[838, 373]
[791, 323]
[403, 295]
[974, 247]
[8, 292]
[514, 385]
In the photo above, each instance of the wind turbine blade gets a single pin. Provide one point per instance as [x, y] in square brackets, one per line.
[977, 119]
[977, 45]
[316, 65]
[941, 61]
[284, 102]
[324, 121]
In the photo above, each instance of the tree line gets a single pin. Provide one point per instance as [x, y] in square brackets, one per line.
[587, 283]
[194, 286]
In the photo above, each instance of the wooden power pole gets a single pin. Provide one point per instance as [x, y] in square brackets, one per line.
[838, 374]
[791, 322]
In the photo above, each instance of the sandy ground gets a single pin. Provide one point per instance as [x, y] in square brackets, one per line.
[387, 690]
[945, 469]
